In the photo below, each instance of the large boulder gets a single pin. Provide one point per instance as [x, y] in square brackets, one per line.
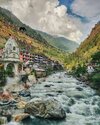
[48, 108]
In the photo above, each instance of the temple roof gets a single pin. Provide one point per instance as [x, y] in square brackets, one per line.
[11, 42]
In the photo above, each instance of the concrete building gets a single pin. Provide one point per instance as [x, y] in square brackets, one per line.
[11, 55]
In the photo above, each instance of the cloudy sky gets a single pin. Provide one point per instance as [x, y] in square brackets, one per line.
[72, 19]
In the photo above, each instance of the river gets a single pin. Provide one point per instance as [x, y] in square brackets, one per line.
[81, 103]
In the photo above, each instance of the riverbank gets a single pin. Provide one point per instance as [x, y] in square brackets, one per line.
[92, 80]
[79, 101]
[14, 96]
[88, 72]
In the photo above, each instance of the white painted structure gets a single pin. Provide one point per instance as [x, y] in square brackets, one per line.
[11, 54]
[90, 69]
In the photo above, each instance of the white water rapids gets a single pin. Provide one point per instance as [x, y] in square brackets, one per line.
[81, 103]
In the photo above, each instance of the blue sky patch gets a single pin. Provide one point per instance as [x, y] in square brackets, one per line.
[68, 4]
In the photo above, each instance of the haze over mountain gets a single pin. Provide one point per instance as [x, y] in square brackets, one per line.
[60, 42]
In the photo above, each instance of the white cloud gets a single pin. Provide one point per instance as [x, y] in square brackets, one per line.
[60, 11]
[4, 3]
[90, 9]
[47, 16]
[86, 8]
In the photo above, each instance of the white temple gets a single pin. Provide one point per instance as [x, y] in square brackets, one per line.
[11, 54]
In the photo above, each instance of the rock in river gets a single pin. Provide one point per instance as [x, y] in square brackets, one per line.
[21, 105]
[25, 93]
[48, 108]
[20, 117]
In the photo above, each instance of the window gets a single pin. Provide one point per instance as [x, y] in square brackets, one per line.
[14, 48]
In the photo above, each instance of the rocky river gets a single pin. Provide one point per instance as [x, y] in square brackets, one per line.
[80, 103]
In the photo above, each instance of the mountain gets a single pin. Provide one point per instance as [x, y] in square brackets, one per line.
[86, 50]
[30, 38]
[90, 45]
[9, 17]
[60, 42]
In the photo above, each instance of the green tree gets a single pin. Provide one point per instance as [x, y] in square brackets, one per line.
[96, 57]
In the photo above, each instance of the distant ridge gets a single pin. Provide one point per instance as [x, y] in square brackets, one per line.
[60, 42]
[91, 44]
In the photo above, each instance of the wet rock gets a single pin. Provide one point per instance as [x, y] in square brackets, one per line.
[2, 103]
[71, 102]
[68, 110]
[79, 89]
[79, 96]
[7, 102]
[21, 105]
[25, 93]
[59, 82]
[20, 117]
[84, 85]
[59, 91]
[48, 85]
[48, 108]
[50, 95]
[98, 104]
[78, 83]
[86, 102]
[94, 101]
[97, 110]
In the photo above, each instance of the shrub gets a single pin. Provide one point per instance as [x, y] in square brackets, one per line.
[80, 70]
[96, 80]
[2, 77]
[96, 57]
